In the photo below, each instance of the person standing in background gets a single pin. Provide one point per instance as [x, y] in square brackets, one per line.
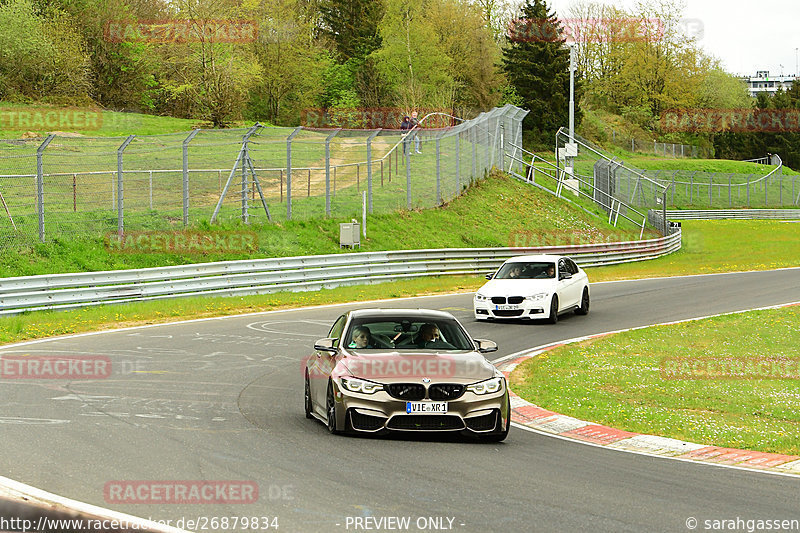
[415, 124]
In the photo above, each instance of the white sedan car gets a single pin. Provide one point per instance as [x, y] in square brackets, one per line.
[533, 287]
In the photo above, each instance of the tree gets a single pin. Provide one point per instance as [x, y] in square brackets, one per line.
[42, 55]
[352, 25]
[539, 71]
[290, 62]
[416, 68]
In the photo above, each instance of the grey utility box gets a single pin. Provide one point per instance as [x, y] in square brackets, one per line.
[349, 234]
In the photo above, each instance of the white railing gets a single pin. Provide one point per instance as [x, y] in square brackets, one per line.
[261, 276]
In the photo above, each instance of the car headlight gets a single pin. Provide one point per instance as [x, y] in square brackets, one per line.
[361, 385]
[480, 297]
[538, 296]
[489, 386]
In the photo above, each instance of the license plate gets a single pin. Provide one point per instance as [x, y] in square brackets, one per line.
[418, 408]
[506, 308]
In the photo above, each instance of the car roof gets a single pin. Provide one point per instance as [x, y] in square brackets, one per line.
[534, 257]
[422, 314]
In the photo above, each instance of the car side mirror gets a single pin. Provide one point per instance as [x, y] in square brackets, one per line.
[326, 345]
[486, 346]
[490, 276]
[565, 275]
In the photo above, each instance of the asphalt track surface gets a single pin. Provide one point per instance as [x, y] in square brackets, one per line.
[221, 399]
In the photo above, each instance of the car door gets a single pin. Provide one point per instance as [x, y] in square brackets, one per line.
[568, 287]
[321, 364]
[579, 279]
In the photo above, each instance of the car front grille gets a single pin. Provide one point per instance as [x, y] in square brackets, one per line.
[410, 392]
[425, 423]
[498, 299]
[483, 422]
[515, 299]
[366, 422]
[517, 312]
[445, 391]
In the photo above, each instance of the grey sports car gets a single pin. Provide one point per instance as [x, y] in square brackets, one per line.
[394, 370]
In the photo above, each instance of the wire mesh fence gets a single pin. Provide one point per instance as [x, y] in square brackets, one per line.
[768, 186]
[68, 186]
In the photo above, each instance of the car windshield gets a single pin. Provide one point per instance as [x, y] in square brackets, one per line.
[531, 270]
[404, 333]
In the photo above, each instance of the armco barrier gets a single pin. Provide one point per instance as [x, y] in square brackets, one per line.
[743, 214]
[261, 276]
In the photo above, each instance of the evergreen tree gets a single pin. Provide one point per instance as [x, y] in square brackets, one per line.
[352, 25]
[536, 64]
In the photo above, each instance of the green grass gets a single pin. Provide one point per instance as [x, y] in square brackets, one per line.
[622, 381]
[718, 246]
[43, 324]
[494, 212]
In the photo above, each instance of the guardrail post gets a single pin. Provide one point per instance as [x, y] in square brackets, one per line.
[289, 172]
[186, 142]
[328, 170]
[369, 167]
[120, 187]
[40, 183]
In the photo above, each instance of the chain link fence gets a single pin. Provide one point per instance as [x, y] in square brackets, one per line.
[769, 186]
[75, 185]
[661, 149]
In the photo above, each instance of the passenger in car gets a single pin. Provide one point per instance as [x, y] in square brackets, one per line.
[362, 338]
[515, 272]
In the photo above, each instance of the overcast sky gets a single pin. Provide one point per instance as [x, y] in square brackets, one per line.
[747, 36]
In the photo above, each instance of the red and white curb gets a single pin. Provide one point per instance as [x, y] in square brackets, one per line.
[542, 420]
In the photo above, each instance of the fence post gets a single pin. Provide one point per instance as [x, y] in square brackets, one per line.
[369, 167]
[748, 190]
[40, 183]
[408, 177]
[474, 136]
[328, 171]
[289, 172]
[502, 151]
[730, 199]
[691, 186]
[710, 189]
[186, 142]
[458, 164]
[120, 186]
[438, 172]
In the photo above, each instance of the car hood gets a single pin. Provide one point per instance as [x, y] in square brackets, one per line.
[517, 287]
[399, 367]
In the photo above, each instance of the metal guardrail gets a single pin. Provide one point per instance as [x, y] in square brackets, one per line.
[743, 214]
[262, 276]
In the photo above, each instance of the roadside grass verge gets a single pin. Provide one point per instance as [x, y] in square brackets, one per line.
[41, 324]
[623, 381]
[496, 212]
[712, 246]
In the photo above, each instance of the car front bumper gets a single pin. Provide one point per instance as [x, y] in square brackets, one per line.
[381, 413]
[527, 310]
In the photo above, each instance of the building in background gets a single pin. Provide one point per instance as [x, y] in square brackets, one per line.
[762, 82]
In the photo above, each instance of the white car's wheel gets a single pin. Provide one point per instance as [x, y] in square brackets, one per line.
[584, 307]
